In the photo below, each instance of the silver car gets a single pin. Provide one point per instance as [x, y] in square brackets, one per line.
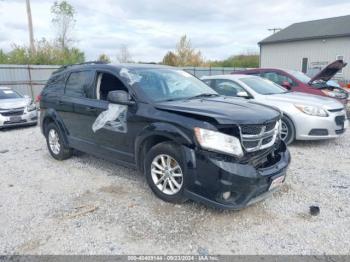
[15, 109]
[305, 116]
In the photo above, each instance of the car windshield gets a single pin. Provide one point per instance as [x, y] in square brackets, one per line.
[299, 75]
[263, 86]
[170, 84]
[8, 94]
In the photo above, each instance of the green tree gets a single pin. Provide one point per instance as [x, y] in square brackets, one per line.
[241, 60]
[3, 57]
[63, 20]
[170, 59]
[104, 58]
[184, 55]
[46, 54]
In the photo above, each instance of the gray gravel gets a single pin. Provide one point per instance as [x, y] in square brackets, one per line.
[86, 205]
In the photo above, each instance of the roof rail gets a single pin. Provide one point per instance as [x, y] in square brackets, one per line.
[84, 63]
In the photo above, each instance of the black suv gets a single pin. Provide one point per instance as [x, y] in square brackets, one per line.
[190, 142]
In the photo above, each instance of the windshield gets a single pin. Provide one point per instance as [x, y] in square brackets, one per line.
[170, 84]
[8, 94]
[263, 86]
[299, 75]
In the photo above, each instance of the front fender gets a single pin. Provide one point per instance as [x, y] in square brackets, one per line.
[165, 130]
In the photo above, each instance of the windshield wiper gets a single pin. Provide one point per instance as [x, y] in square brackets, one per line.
[203, 95]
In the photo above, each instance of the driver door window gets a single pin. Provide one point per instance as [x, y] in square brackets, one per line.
[105, 83]
[227, 87]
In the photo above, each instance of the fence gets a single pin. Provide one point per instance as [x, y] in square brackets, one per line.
[30, 79]
[26, 79]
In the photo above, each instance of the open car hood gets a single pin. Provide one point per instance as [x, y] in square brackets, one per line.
[329, 71]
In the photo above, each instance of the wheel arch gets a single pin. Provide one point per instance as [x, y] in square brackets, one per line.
[154, 134]
[287, 115]
[52, 117]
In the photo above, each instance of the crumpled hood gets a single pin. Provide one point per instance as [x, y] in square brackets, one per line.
[329, 71]
[225, 110]
[305, 99]
[14, 103]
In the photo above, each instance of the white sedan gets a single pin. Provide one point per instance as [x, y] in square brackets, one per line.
[305, 116]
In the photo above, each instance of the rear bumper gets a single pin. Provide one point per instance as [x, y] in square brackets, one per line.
[27, 118]
[216, 174]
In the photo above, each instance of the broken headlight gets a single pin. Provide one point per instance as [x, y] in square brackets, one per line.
[31, 107]
[218, 142]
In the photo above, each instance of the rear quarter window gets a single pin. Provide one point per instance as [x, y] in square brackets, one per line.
[79, 84]
[55, 84]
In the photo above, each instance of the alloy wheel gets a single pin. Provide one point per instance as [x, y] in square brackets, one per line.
[284, 131]
[166, 174]
[54, 141]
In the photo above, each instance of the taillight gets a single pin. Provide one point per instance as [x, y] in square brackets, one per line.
[38, 98]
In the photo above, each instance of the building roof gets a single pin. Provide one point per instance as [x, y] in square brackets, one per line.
[316, 29]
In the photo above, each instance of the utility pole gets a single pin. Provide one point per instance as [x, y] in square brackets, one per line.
[30, 27]
[274, 30]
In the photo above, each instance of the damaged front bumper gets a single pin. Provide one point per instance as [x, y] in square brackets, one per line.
[7, 119]
[219, 181]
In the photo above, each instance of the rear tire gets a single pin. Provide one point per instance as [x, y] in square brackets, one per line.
[288, 130]
[55, 144]
[166, 173]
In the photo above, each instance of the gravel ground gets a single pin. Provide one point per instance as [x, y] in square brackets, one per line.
[86, 205]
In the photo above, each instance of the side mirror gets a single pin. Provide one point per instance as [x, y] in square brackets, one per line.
[120, 97]
[243, 94]
[287, 85]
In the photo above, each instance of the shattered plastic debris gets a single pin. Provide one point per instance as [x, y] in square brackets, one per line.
[114, 118]
[132, 78]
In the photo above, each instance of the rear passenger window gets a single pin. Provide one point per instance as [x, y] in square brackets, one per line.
[79, 84]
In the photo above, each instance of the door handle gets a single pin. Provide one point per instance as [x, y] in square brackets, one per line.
[91, 109]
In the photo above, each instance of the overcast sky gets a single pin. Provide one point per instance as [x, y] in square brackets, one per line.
[152, 27]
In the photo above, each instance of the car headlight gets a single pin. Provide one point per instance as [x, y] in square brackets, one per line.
[334, 94]
[31, 107]
[218, 142]
[312, 110]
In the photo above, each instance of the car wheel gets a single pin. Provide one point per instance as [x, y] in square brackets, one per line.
[165, 172]
[287, 130]
[54, 140]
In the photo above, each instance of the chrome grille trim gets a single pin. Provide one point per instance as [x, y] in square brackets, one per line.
[263, 135]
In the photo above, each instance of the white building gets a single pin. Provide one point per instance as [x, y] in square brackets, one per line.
[309, 46]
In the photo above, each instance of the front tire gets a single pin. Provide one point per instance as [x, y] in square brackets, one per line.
[55, 144]
[166, 173]
[287, 130]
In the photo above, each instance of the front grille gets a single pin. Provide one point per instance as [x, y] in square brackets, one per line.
[13, 113]
[267, 140]
[339, 120]
[257, 137]
[250, 144]
[251, 129]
